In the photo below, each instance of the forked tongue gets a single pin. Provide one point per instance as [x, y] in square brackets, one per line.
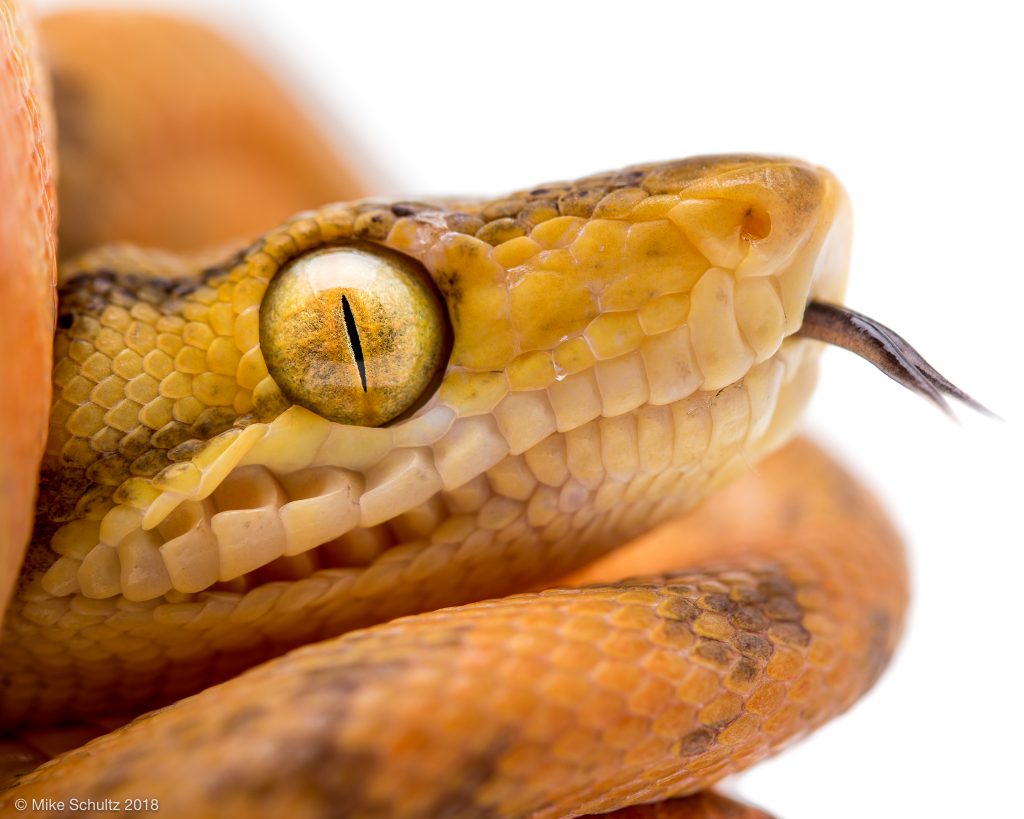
[885, 349]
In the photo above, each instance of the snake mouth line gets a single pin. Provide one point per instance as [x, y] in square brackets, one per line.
[356, 550]
[887, 350]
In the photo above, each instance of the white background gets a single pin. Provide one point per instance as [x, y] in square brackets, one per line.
[917, 109]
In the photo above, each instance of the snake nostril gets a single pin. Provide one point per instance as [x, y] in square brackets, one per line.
[757, 224]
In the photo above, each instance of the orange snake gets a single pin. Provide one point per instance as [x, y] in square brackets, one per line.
[269, 447]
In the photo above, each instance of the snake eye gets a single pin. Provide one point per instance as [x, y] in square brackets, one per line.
[356, 333]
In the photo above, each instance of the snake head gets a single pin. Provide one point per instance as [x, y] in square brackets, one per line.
[336, 424]
[563, 318]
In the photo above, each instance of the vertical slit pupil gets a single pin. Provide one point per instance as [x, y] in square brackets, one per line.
[353, 338]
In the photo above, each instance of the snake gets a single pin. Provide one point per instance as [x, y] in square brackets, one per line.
[348, 504]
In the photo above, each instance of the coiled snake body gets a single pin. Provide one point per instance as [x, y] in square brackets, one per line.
[380, 409]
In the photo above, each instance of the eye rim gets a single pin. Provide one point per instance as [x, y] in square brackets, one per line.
[398, 261]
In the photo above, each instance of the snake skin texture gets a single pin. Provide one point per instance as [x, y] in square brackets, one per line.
[28, 272]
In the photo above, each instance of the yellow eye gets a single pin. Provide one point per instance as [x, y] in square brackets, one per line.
[355, 333]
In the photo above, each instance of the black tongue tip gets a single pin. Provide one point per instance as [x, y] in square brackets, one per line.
[885, 349]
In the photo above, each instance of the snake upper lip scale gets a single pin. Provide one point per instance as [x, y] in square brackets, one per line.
[359, 432]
